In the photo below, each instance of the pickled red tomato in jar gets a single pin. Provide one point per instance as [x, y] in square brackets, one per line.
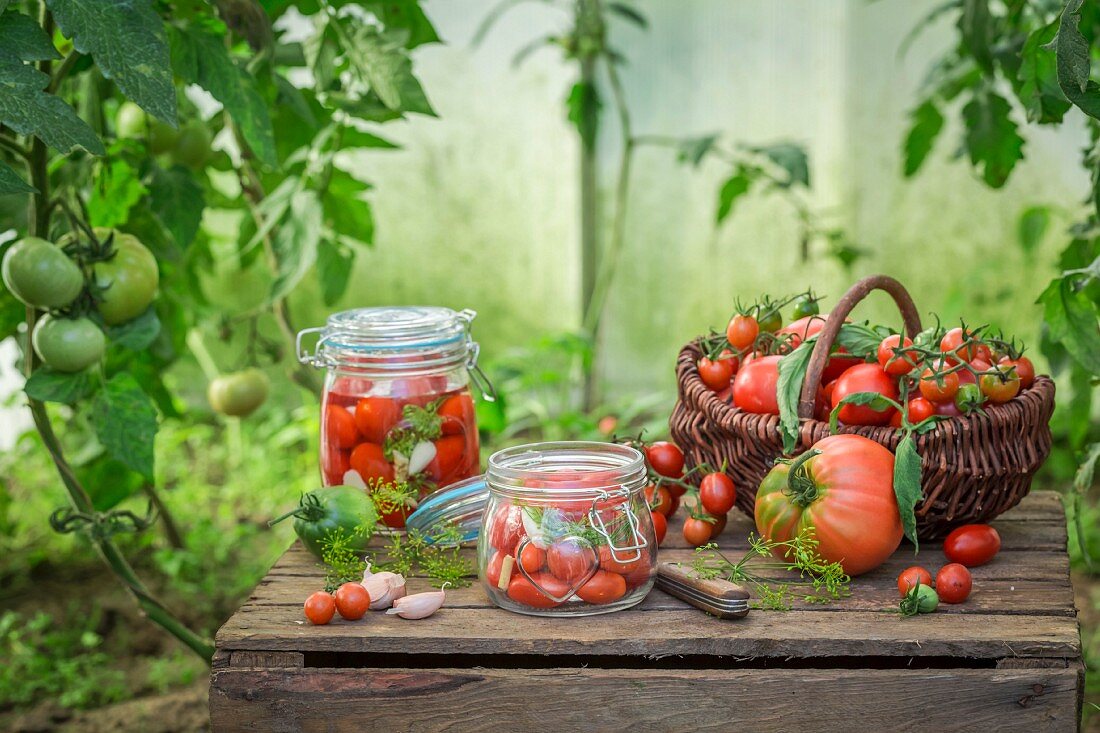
[566, 530]
[397, 414]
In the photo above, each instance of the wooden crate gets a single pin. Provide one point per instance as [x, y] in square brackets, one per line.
[1009, 659]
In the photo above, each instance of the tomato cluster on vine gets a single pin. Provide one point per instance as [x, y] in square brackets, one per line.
[941, 373]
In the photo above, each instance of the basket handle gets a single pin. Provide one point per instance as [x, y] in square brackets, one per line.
[819, 357]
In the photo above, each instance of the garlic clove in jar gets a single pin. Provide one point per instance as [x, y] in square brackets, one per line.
[421, 456]
[418, 605]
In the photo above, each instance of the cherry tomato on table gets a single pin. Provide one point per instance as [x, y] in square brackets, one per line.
[659, 499]
[320, 607]
[953, 583]
[665, 458]
[972, 544]
[697, 532]
[660, 526]
[717, 493]
[352, 601]
[908, 579]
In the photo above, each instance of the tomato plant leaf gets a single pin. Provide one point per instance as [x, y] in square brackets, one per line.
[991, 138]
[23, 38]
[125, 421]
[583, 110]
[351, 137]
[381, 62]
[199, 56]
[334, 264]
[108, 481]
[11, 183]
[1037, 78]
[788, 390]
[177, 199]
[26, 108]
[127, 41]
[1074, 61]
[694, 149]
[116, 188]
[976, 30]
[927, 123]
[48, 385]
[295, 243]
[859, 339]
[12, 314]
[1032, 227]
[345, 208]
[791, 158]
[137, 333]
[1071, 318]
[907, 486]
[408, 16]
[734, 188]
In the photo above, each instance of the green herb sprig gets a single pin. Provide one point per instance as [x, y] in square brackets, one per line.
[818, 581]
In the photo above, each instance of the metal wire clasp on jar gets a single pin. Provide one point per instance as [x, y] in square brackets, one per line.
[566, 530]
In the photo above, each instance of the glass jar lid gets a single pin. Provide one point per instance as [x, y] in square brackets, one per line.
[389, 337]
[460, 505]
[575, 469]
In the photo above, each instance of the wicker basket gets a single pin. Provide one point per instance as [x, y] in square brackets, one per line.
[973, 468]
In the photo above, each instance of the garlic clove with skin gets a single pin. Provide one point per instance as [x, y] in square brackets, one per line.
[418, 605]
[384, 588]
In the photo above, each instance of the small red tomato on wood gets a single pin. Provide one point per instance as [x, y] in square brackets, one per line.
[717, 493]
[697, 532]
[665, 458]
[659, 499]
[953, 583]
[908, 579]
[352, 601]
[320, 607]
[660, 527]
[972, 544]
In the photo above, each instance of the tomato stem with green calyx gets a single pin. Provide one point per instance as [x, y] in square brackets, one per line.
[801, 487]
[309, 509]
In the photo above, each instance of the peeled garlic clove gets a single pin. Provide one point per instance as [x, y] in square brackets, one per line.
[421, 456]
[384, 588]
[418, 605]
[352, 478]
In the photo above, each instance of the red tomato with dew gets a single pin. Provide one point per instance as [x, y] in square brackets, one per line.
[972, 544]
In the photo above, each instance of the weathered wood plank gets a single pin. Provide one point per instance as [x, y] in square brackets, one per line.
[473, 700]
[838, 633]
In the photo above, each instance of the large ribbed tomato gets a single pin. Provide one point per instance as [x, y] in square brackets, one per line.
[844, 488]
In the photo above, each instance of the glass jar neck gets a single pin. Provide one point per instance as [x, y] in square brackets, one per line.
[569, 470]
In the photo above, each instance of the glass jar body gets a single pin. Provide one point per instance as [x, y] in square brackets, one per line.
[411, 426]
[574, 540]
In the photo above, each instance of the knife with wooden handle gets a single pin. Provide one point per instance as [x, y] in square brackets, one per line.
[716, 596]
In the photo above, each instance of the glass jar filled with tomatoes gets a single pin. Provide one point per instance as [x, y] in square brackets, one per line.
[566, 530]
[397, 416]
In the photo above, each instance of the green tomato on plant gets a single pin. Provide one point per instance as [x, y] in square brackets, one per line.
[128, 281]
[192, 147]
[131, 122]
[238, 394]
[323, 514]
[39, 274]
[68, 344]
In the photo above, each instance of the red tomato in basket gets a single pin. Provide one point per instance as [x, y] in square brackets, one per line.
[371, 464]
[716, 374]
[754, 386]
[449, 451]
[897, 361]
[742, 331]
[375, 417]
[457, 412]
[837, 365]
[864, 378]
[603, 587]
[952, 343]
[1025, 370]
[917, 410]
[520, 590]
[506, 528]
[947, 409]
[972, 544]
[803, 328]
[340, 429]
[570, 560]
